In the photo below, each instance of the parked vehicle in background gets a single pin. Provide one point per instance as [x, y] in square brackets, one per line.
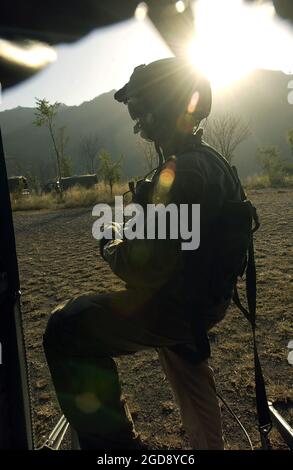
[18, 184]
[85, 181]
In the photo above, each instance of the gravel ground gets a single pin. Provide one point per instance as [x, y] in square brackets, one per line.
[59, 259]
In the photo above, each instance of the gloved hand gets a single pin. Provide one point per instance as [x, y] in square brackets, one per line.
[111, 231]
[143, 193]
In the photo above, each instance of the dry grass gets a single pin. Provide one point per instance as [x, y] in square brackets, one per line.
[263, 182]
[82, 197]
[70, 199]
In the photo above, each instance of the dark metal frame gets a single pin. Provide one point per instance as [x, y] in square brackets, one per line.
[15, 407]
[282, 426]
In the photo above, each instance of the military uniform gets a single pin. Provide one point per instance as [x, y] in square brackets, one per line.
[85, 334]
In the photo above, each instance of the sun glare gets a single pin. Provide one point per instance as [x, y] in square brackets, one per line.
[32, 54]
[233, 38]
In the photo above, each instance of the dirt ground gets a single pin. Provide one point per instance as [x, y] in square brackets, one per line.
[59, 258]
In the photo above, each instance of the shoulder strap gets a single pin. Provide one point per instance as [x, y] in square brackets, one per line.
[263, 412]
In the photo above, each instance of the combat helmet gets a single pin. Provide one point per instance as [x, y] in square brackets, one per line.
[165, 96]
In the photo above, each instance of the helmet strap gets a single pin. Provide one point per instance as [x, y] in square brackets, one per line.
[160, 153]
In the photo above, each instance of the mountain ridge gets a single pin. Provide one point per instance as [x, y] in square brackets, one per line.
[261, 99]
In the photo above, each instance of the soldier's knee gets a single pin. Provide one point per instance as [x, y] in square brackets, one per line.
[64, 324]
[55, 331]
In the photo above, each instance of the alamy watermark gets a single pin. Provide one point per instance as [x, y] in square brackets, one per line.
[154, 221]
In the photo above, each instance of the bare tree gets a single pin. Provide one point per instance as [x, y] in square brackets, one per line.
[90, 146]
[226, 133]
[149, 154]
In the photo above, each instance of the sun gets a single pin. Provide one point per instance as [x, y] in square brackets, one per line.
[232, 39]
[219, 48]
[220, 70]
[229, 40]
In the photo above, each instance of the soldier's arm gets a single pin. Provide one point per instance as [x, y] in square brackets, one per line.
[150, 263]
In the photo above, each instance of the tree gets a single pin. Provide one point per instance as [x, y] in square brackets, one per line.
[272, 164]
[89, 147]
[226, 133]
[290, 140]
[45, 116]
[149, 153]
[33, 182]
[110, 171]
[66, 166]
[14, 166]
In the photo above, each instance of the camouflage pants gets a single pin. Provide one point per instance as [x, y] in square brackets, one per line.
[83, 336]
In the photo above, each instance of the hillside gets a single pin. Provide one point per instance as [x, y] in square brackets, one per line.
[261, 99]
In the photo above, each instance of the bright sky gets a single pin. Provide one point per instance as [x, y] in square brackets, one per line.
[232, 38]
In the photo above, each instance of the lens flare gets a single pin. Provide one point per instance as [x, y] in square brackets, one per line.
[141, 11]
[87, 402]
[180, 6]
[167, 177]
[31, 54]
[193, 102]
